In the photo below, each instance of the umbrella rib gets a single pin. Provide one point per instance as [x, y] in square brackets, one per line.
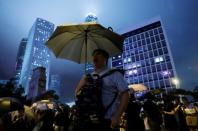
[91, 38]
[71, 40]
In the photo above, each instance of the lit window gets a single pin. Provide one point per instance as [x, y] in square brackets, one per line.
[129, 59]
[120, 63]
[166, 73]
[159, 59]
[132, 72]
[125, 60]
[119, 56]
[113, 57]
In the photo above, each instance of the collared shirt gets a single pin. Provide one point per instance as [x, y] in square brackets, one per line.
[112, 84]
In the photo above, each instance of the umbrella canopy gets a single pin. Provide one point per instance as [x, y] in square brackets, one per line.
[8, 104]
[138, 87]
[77, 42]
[44, 105]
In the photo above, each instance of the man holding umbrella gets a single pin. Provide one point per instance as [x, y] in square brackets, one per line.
[113, 83]
[83, 43]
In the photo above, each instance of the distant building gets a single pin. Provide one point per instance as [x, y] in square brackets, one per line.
[36, 53]
[19, 59]
[37, 83]
[91, 18]
[3, 81]
[55, 84]
[147, 57]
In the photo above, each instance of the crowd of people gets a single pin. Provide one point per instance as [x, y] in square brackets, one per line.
[104, 102]
[148, 114]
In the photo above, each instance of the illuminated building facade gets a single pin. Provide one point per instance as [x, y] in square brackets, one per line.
[147, 57]
[36, 53]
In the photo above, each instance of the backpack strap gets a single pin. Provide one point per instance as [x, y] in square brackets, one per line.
[116, 94]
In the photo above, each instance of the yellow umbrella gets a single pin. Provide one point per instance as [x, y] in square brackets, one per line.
[138, 87]
[77, 42]
[8, 104]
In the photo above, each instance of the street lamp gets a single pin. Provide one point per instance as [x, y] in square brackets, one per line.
[176, 82]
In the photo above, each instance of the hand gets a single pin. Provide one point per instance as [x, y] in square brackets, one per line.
[115, 121]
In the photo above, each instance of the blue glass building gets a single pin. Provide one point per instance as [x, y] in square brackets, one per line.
[146, 57]
[55, 84]
[19, 59]
[36, 53]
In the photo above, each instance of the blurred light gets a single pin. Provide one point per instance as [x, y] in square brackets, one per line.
[176, 82]
[166, 73]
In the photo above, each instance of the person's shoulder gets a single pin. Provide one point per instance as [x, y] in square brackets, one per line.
[116, 71]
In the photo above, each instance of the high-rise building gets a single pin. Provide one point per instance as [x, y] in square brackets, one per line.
[3, 81]
[36, 53]
[146, 57]
[91, 18]
[37, 83]
[55, 84]
[19, 59]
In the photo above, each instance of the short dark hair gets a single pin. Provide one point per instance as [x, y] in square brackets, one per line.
[103, 52]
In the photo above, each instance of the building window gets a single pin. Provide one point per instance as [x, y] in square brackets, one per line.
[158, 67]
[165, 50]
[161, 36]
[143, 42]
[166, 73]
[129, 60]
[157, 38]
[158, 59]
[159, 45]
[148, 41]
[138, 37]
[148, 69]
[154, 45]
[153, 68]
[160, 30]
[169, 65]
[152, 39]
[149, 47]
[160, 52]
[151, 32]
[155, 31]
[146, 34]
[142, 36]
[163, 43]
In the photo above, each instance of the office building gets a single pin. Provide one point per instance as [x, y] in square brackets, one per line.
[19, 59]
[37, 85]
[55, 84]
[36, 53]
[147, 57]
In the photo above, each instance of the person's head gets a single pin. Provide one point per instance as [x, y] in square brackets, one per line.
[100, 58]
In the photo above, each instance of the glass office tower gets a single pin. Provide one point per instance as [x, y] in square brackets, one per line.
[36, 54]
[146, 57]
[20, 59]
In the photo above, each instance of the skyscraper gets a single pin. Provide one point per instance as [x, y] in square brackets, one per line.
[147, 57]
[36, 53]
[19, 59]
[91, 18]
[37, 83]
[55, 84]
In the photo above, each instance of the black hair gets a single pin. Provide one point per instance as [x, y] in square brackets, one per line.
[103, 52]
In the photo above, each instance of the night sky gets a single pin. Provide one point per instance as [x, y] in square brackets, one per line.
[179, 18]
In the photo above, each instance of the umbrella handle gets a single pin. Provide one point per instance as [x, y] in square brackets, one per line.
[86, 32]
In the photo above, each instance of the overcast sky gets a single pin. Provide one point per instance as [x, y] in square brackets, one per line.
[179, 18]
